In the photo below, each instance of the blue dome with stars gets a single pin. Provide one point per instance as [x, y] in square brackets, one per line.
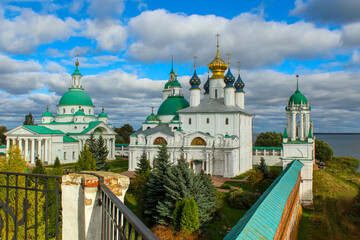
[239, 84]
[194, 81]
[207, 85]
[229, 79]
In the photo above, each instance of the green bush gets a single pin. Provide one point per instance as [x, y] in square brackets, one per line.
[323, 151]
[264, 184]
[241, 199]
[225, 186]
[269, 139]
[344, 163]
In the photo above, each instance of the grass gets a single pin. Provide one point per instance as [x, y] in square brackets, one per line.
[243, 175]
[334, 190]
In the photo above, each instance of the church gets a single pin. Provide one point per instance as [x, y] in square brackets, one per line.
[213, 135]
[65, 134]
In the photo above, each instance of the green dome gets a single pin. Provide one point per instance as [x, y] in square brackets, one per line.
[152, 118]
[175, 83]
[76, 97]
[103, 115]
[166, 85]
[297, 98]
[172, 104]
[79, 113]
[47, 114]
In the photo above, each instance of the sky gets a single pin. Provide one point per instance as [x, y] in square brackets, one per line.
[125, 49]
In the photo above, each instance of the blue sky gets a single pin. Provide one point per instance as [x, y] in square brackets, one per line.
[125, 49]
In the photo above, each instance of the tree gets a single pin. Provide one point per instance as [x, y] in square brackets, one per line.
[29, 120]
[92, 144]
[39, 168]
[101, 155]
[2, 135]
[323, 151]
[254, 178]
[269, 139]
[182, 183]
[143, 166]
[141, 177]
[125, 131]
[155, 189]
[86, 161]
[189, 221]
[263, 167]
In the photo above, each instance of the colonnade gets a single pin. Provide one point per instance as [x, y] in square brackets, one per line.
[32, 148]
[300, 131]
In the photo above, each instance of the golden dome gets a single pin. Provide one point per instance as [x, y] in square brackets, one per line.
[218, 66]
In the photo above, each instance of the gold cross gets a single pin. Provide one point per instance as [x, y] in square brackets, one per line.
[228, 54]
[195, 62]
[217, 37]
[238, 63]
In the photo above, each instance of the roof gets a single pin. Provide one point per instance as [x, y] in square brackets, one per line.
[121, 144]
[47, 114]
[175, 83]
[103, 115]
[269, 148]
[195, 81]
[76, 97]
[67, 138]
[214, 106]
[172, 104]
[152, 118]
[163, 128]
[262, 219]
[42, 129]
[92, 125]
[79, 113]
[3, 146]
[297, 97]
[229, 79]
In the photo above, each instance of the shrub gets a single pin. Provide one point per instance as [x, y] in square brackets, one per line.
[241, 199]
[269, 139]
[164, 232]
[323, 151]
[344, 163]
[263, 167]
[225, 186]
[254, 178]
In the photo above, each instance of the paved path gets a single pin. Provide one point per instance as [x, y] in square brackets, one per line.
[130, 174]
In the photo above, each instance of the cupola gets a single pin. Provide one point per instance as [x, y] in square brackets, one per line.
[218, 66]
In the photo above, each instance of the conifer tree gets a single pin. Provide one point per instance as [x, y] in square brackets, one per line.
[143, 166]
[101, 155]
[264, 168]
[189, 221]
[141, 177]
[155, 190]
[86, 161]
[39, 168]
[57, 170]
[92, 144]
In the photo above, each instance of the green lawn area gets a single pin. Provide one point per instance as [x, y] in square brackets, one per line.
[334, 191]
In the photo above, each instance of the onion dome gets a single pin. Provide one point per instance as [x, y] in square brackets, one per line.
[229, 79]
[194, 81]
[167, 85]
[207, 85]
[75, 97]
[172, 104]
[218, 66]
[152, 117]
[102, 114]
[79, 112]
[239, 84]
[297, 98]
[175, 83]
[47, 113]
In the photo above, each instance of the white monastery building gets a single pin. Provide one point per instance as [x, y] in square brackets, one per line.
[65, 134]
[213, 135]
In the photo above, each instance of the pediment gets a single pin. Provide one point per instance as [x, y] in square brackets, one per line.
[21, 131]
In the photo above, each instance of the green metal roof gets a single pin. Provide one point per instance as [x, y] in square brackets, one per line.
[47, 114]
[152, 118]
[42, 129]
[76, 97]
[91, 126]
[285, 135]
[262, 219]
[3, 146]
[269, 148]
[76, 72]
[103, 115]
[121, 144]
[172, 104]
[166, 85]
[297, 97]
[79, 113]
[67, 138]
[175, 83]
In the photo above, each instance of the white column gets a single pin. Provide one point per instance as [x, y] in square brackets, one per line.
[307, 124]
[194, 97]
[293, 127]
[51, 160]
[113, 148]
[32, 152]
[39, 149]
[46, 151]
[225, 164]
[7, 144]
[26, 149]
[20, 144]
[301, 126]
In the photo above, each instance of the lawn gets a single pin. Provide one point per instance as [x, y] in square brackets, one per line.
[334, 191]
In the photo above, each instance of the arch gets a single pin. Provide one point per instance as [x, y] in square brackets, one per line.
[198, 141]
[160, 141]
[175, 128]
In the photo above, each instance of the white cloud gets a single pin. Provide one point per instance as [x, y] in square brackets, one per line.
[110, 34]
[54, 67]
[25, 32]
[54, 53]
[159, 34]
[105, 9]
[351, 34]
[9, 65]
[328, 11]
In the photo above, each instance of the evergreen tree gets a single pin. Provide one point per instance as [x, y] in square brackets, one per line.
[29, 120]
[86, 161]
[182, 183]
[39, 168]
[92, 144]
[263, 167]
[57, 170]
[189, 221]
[155, 190]
[141, 177]
[101, 155]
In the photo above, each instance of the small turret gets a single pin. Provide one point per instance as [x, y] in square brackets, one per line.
[47, 116]
[103, 116]
[194, 90]
[239, 93]
[229, 91]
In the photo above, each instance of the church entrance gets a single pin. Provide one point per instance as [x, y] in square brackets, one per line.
[198, 164]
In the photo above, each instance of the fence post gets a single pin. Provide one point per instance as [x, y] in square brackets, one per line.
[81, 210]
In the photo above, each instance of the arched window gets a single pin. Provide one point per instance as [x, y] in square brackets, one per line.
[198, 141]
[160, 141]
[175, 128]
[72, 110]
[97, 131]
[207, 120]
[226, 121]
[148, 127]
[173, 91]
[64, 110]
[215, 93]
[189, 121]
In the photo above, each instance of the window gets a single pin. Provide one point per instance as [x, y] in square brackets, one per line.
[226, 121]
[215, 93]
[189, 121]
[64, 110]
[64, 155]
[173, 91]
[72, 110]
[207, 120]
[73, 155]
[89, 111]
[175, 128]
[75, 127]
[148, 127]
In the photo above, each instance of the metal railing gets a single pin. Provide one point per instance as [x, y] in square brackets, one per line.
[118, 221]
[30, 204]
